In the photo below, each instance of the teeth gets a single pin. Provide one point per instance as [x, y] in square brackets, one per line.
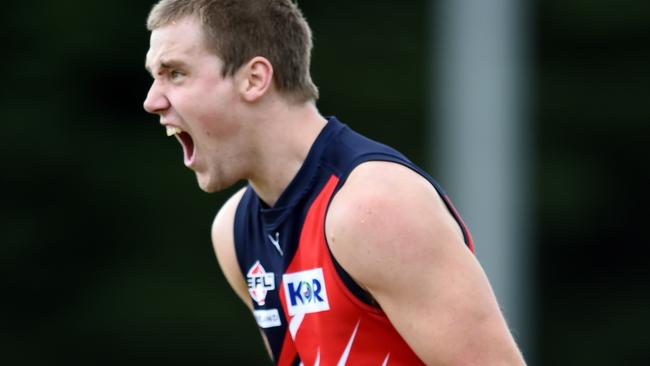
[171, 131]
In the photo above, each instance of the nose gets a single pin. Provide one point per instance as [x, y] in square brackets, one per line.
[156, 101]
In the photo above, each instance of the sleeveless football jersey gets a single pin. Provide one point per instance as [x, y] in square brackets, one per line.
[310, 309]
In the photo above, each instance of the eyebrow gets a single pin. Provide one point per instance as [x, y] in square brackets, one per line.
[167, 64]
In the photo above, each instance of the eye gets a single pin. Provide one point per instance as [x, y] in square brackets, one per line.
[175, 75]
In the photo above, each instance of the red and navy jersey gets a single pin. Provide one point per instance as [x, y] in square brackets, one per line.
[310, 309]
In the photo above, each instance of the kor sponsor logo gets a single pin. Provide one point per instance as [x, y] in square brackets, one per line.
[305, 292]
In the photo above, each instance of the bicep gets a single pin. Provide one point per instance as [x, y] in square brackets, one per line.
[442, 304]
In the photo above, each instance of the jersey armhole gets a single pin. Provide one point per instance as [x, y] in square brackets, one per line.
[354, 288]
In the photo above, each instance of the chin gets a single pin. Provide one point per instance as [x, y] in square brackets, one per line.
[209, 185]
[208, 189]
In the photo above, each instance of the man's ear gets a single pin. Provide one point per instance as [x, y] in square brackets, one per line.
[256, 79]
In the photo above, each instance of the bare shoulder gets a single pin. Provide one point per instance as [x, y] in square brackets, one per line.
[390, 230]
[390, 213]
[223, 242]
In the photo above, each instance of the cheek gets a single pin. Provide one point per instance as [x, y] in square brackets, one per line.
[210, 108]
[218, 121]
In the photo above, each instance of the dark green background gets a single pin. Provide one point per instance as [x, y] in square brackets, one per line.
[105, 256]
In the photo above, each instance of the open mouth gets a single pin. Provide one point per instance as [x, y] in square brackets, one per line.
[186, 142]
[188, 147]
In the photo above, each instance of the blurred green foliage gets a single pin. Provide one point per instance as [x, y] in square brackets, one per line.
[105, 255]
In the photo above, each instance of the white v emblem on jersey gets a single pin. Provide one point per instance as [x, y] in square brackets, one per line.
[276, 242]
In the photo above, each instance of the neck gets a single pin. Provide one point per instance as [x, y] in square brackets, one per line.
[285, 138]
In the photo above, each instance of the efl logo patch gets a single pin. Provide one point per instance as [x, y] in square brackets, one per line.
[259, 282]
[305, 292]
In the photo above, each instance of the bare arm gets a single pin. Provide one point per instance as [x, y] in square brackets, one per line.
[390, 230]
[223, 242]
